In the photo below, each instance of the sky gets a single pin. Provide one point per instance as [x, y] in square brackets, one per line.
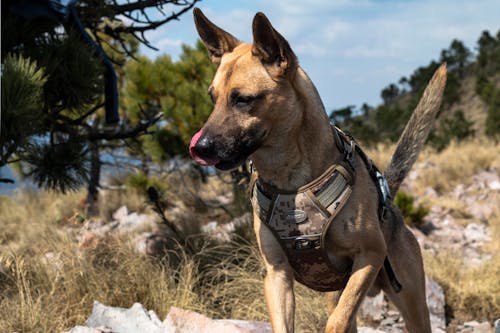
[351, 49]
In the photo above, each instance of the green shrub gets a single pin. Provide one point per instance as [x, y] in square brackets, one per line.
[413, 215]
[140, 182]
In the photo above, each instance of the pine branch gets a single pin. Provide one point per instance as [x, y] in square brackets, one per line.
[121, 133]
[142, 5]
[88, 113]
[152, 25]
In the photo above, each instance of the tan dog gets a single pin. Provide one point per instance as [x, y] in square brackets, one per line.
[268, 110]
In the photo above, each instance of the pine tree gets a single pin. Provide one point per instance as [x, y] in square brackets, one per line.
[488, 68]
[53, 86]
[176, 89]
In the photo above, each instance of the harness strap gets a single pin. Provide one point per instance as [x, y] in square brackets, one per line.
[337, 179]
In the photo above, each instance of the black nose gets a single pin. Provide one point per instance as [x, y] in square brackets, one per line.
[205, 147]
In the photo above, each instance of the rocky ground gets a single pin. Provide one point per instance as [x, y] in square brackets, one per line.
[442, 231]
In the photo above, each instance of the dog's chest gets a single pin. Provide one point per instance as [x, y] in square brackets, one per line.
[300, 220]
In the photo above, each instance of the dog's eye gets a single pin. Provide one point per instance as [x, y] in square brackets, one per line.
[241, 101]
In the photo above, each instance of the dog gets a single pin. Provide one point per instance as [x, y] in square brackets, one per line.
[266, 109]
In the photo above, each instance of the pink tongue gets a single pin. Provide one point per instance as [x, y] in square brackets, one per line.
[198, 159]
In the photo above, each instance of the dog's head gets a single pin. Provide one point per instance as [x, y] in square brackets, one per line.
[252, 93]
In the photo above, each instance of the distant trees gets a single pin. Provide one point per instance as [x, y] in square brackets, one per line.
[386, 122]
[390, 93]
[487, 79]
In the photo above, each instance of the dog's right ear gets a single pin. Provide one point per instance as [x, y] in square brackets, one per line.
[271, 47]
[216, 40]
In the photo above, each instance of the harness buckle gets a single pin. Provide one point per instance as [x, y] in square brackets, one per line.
[306, 243]
[349, 154]
[383, 185]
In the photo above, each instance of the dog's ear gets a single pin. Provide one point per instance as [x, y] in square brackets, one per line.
[271, 48]
[216, 40]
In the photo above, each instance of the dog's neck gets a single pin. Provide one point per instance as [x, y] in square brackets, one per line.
[305, 146]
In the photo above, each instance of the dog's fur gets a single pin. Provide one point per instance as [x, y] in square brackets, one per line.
[267, 109]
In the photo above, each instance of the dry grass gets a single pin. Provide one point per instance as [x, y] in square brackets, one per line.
[458, 163]
[48, 282]
[471, 293]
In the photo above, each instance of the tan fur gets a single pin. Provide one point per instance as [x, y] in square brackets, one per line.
[296, 147]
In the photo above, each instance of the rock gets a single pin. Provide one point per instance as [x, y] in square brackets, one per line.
[155, 244]
[120, 214]
[132, 320]
[84, 329]
[107, 319]
[373, 308]
[132, 222]
[184, 321]
[430, 192]
[474, 327]
[476, 233]
[497, 326]
[224, 232]
[435, 302]
[369, 330]
[494, 185]
[481, 210]
[250, 326]
[94, 231]
[209, 227]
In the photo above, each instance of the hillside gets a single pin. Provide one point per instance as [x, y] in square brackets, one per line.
[471, 104]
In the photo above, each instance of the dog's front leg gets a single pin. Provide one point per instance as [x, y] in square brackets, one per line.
[280, 299]
[364, 271]
[278, 283]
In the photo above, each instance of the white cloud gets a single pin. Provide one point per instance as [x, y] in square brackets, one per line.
[336, 29]
[363, 51]
[167, 42]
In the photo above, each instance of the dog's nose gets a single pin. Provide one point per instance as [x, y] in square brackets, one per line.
[205, 147]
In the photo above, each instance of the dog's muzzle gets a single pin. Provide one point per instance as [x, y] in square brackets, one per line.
[201, 150]
[206, 152]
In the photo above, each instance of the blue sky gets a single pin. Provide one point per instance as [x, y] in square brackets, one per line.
[350, 48]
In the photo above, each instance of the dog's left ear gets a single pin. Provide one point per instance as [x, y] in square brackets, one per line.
[271, 48]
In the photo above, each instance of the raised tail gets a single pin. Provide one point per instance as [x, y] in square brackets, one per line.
[416, 131]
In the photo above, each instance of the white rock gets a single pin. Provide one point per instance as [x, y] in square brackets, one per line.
[494, 185]
[120, 213]
[477, 327]
[435, 302]
[476, 233]
[369, 330]
[85, 329]
[120, 320]
[209, 227]
[185, 321]
[373, 308]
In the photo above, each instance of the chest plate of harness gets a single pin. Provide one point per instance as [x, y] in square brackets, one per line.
[300, 221]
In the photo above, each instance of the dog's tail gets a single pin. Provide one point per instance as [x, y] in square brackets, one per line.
[416, 131]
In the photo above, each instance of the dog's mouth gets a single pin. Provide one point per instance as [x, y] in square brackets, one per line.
[222, 164]
[201, 160]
